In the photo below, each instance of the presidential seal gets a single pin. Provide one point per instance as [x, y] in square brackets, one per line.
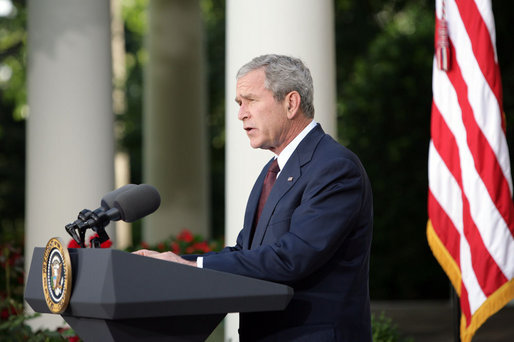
[56, 276]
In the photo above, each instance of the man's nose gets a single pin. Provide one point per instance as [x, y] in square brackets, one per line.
[242, 114]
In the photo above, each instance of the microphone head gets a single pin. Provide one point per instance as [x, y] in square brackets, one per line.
[137, 202]
[107, 201]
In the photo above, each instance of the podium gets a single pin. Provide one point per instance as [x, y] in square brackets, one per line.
[119, 296]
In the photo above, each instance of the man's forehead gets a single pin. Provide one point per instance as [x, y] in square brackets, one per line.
[251, 82]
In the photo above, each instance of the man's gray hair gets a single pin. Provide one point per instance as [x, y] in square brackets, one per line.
[284, 74]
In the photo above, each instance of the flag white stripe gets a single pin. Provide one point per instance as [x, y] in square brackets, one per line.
[445, 188]
[480, 96]
[446, 191]
[482, 105]
[489, 222]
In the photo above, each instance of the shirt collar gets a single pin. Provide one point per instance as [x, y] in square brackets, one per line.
[283, 157]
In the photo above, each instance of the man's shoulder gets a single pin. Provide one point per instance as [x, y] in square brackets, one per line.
[329, 148]
[321, 148]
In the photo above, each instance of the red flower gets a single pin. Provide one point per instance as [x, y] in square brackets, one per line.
[160, 246]
[175, 248]
[6, 312]
[73, 244]
[201, 247]
[105, 244]
[145, 245]
[185, 236]
[66, 333]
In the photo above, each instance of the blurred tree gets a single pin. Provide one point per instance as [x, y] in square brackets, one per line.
[384, 115]
[385, 53]
[13, 110]
[135, 19]
[384, 112]
[214, 17]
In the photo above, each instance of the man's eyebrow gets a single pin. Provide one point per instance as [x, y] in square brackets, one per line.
[244, 96]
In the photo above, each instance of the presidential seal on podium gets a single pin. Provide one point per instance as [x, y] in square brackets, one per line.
[56, 276]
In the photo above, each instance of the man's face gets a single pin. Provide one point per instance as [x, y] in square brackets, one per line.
[264, 119]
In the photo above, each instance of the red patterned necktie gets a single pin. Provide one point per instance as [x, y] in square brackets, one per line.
[269, 181]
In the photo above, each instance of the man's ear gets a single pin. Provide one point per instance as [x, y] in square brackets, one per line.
[292, 102]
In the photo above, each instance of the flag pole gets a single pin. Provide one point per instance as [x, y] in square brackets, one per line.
[455, 301]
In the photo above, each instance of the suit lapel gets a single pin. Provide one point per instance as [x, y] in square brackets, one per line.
[285, 182]
[251, 206]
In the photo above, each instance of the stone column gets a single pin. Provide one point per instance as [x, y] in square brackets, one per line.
[70, 140]
[175, 135]
[299, 28]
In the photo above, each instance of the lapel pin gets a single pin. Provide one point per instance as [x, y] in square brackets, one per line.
[290, 179]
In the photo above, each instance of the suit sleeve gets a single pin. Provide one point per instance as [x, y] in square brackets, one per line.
[326, 215]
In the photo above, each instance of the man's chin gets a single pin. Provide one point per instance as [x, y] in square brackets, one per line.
[255, 144]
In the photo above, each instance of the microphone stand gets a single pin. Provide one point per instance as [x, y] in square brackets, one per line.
[96, 220]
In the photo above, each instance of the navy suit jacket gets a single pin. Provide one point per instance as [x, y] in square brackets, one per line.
[314, 234]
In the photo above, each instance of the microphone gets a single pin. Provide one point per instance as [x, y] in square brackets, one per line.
[136, 203]
[128, 203]
[107, 201]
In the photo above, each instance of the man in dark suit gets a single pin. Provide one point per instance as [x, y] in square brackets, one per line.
[314, 230]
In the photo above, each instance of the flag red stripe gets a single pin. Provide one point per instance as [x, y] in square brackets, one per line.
[444, 228]
[487, 272]
[445, 143]
[483, 48]
[470, 129]
[484, 157]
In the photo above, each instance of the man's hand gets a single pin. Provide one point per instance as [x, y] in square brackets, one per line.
[168, 256]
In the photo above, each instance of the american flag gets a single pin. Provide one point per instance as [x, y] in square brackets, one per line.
[470, 208]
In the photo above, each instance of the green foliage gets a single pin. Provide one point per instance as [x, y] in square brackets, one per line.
[13, 320]
[213, 12]
[130, 123]
[11, 275]
[384, 330]
[15, 328]
[13, 35]
[384, 53]
[13, 110]
[384, 116]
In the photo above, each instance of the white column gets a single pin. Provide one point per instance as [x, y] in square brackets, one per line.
[70, 139]
[175, 138]
[299, 28]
